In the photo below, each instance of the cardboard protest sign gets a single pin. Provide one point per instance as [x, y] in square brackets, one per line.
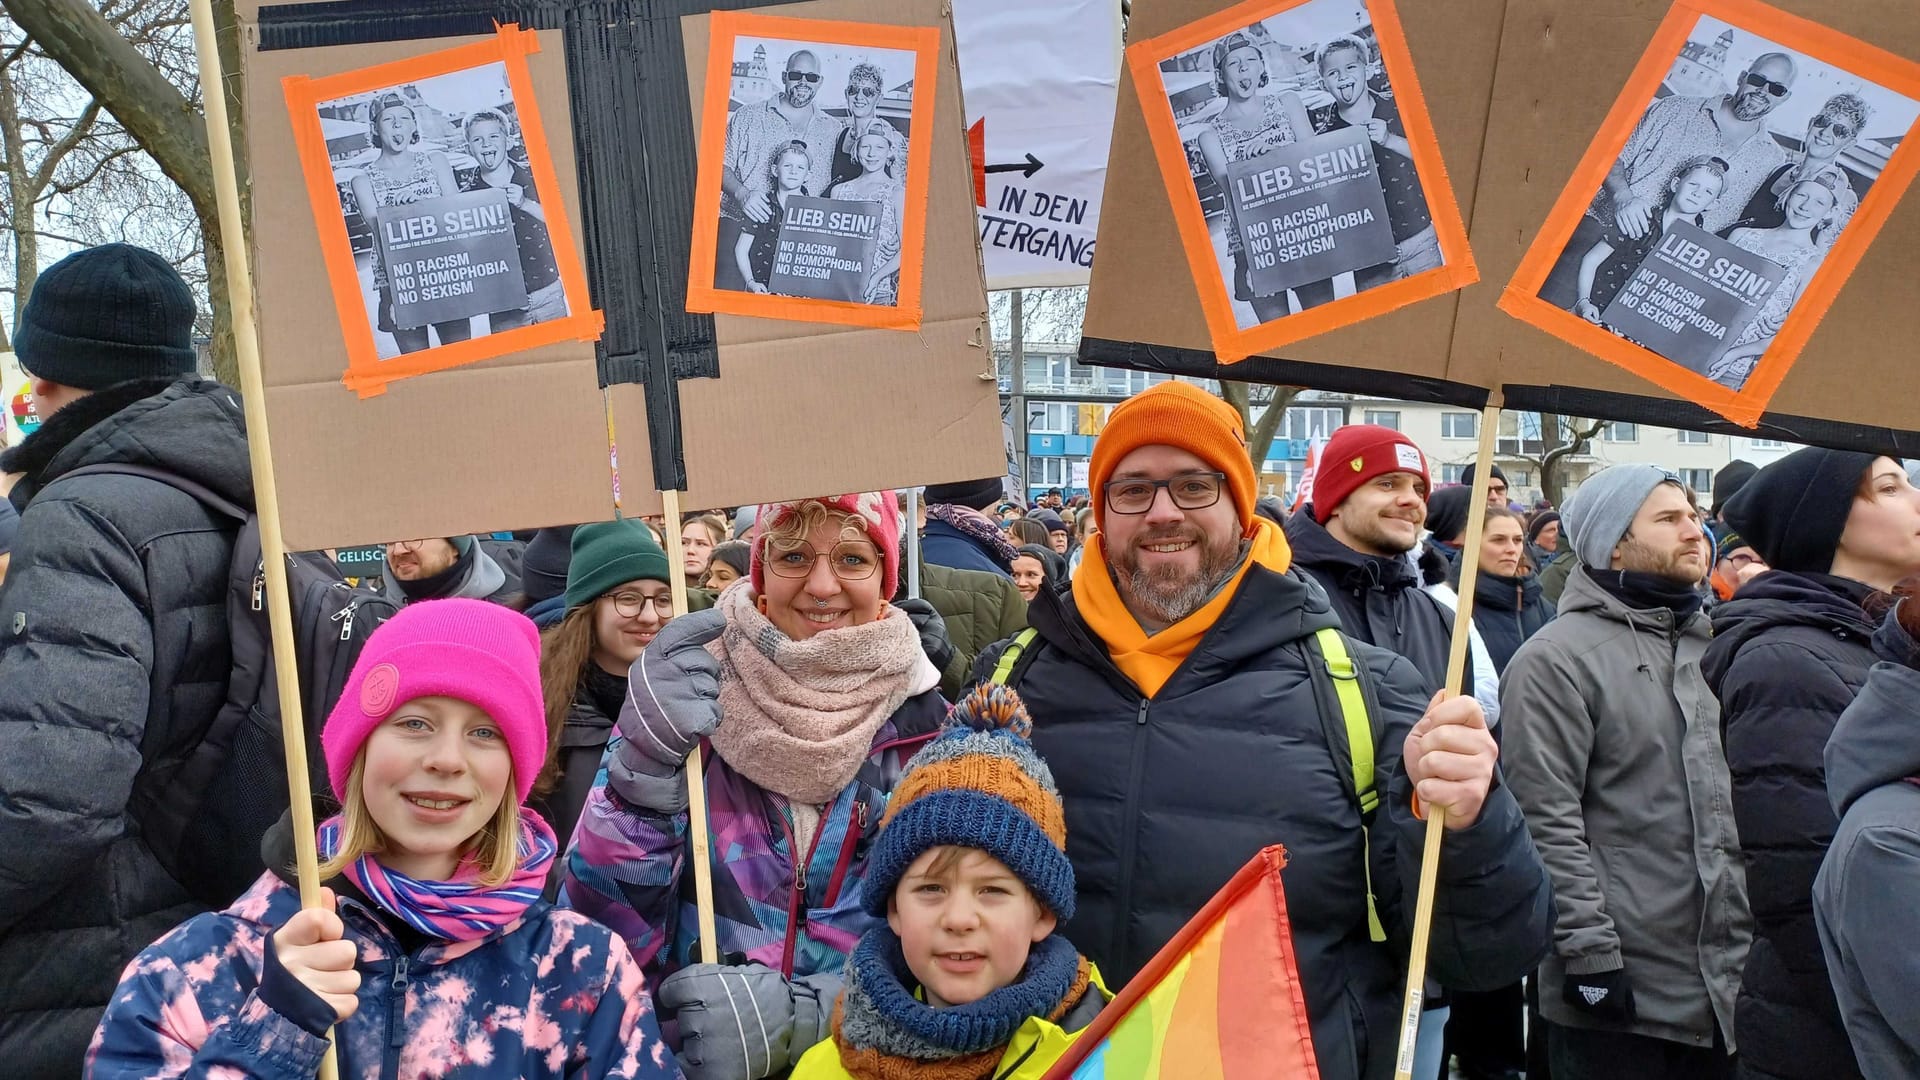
[439, 211]
[1040, 83]
[1309, 210]
[1260, 78]
[514, 441]
[825, 248]
[798, 108]
[1756, 155]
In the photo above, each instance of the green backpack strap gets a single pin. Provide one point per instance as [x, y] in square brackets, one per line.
[1347, 689]
[1010, 658]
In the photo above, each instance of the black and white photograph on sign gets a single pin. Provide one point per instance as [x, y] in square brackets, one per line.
[1730, 191]
[1300, 160]
[448, 230]
[813, 189]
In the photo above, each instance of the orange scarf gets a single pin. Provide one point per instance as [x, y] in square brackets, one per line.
[1149, 660]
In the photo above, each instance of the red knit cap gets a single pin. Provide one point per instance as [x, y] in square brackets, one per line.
[1355, 455]
[1175, 414]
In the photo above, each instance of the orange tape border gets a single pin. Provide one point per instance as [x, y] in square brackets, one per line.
[1521, 300]
[1230, 343]
[725, 26]
[367, 374]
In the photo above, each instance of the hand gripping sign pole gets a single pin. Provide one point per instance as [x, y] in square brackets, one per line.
[1456, 671]
[253, 397]
[697, 828]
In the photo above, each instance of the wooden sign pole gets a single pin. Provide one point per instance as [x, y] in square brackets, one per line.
[1456, 671]
[253, 399]
[698, 833]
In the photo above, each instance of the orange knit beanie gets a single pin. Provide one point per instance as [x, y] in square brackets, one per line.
[1182, 415]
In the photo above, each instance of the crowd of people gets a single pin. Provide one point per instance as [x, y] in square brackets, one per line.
[947, 827]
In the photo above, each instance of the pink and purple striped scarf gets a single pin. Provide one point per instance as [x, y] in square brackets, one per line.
[460, 909]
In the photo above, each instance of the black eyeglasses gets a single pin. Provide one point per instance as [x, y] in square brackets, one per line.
[1759, 81]
[803, 76]
[1189, 491]
[631, 604]
[1840, 130]
[850, 560]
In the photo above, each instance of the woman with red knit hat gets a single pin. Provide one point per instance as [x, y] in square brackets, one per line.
[810, 691]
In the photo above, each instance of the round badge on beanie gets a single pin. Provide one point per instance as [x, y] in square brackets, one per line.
[107, 315]
[474, 651]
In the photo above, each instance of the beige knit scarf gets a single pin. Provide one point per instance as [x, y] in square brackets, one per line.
[798, 717]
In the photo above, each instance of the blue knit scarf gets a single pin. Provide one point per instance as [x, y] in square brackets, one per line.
[880, 1011]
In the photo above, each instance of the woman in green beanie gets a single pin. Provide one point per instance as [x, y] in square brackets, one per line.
[617, 599]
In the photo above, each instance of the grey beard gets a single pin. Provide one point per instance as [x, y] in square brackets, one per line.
[1156, 600]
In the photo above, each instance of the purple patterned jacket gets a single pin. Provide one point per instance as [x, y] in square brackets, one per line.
[550, 995]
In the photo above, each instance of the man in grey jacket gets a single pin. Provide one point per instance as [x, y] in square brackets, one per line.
[1612, 747]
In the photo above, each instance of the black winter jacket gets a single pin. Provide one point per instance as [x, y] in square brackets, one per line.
[1790, 653]
[1378, 600]
[1507, 611]
[1166, 798]
[113, 649]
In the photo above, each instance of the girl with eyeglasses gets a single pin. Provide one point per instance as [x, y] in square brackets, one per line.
[617, 598]
[809, 692]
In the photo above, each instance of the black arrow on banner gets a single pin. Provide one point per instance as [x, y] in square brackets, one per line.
[1032, 166]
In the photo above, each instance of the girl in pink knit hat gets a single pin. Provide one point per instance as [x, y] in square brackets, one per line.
[432, 954]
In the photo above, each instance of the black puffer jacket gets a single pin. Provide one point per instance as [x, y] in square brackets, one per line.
[1166, 798]
[1789, 654]
[113, 647]
[1378, 599]
[1507, 611]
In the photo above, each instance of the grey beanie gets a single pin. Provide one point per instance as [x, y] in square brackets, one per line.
[1601, 510]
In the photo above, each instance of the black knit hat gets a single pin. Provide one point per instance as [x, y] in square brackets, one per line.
[1728, 482]
[1466, 474]
[1540, 521]
[976, 494]
[106, 315]
[1447, 513]
[1793, 511]
[543, 566]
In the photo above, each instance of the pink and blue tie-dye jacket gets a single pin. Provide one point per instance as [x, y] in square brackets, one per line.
[626, 863]
[551, 995]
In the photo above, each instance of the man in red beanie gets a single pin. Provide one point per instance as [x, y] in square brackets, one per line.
[1178, 696]
[1369, 507]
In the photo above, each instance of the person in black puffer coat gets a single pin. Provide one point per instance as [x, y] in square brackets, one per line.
[1790, 652]
[116, 650]
[1508, 606]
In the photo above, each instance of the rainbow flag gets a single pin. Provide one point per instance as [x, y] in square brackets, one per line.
[1220, 1002]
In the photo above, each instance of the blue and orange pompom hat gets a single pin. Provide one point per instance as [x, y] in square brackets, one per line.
[978, 784]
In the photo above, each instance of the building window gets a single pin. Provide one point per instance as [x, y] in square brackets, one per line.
[1459, 425]
[1518, 480]
[1699, 481]
[1767, 444]
[1310, 422]
[1386, 418]
[1620, 432]
[1694, 438]
[1052, 418]
[1450, 474]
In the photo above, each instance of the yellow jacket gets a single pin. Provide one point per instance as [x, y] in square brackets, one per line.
[1035, 1045]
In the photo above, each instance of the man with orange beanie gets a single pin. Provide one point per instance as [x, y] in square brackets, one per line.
[1179, 696]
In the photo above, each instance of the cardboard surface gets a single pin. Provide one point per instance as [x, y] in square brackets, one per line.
[810, 409]
[517, 441]
[1545, 114]
[1141, 290]
[1517, 90]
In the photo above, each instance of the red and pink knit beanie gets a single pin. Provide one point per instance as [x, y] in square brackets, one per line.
[878, 512]
[471, 650]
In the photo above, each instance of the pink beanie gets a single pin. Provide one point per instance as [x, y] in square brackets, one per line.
[877, 511]
[478, 652]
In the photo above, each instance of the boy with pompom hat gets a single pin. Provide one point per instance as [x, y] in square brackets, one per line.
[967, 978]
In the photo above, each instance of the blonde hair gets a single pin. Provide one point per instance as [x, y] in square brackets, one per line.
[496, 846]
[804, 518]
